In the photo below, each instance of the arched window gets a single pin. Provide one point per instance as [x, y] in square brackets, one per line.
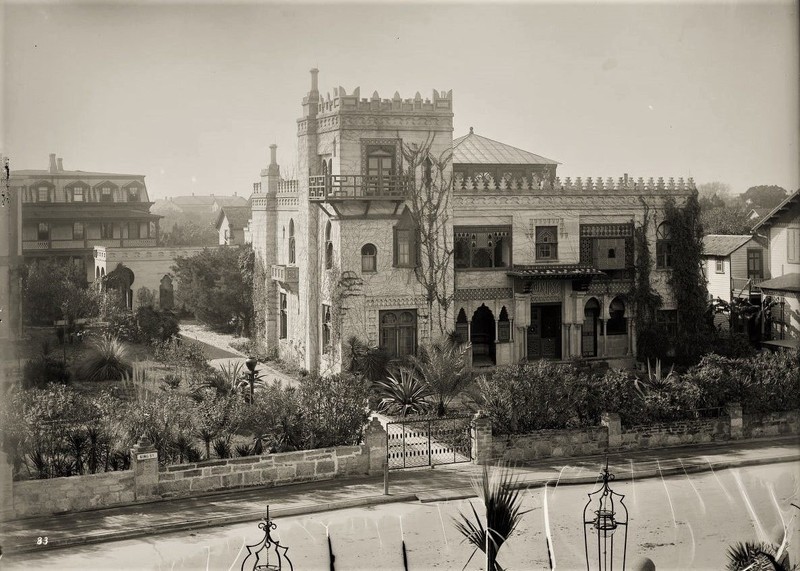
[399, 332]
[102, 272]
[503, 327]
[284, 321]
[462, 327]
[617, 324]
[291, 242]
[326, 328]
[328, 246]
[43, 231]
[664, 246]
[97, 273]
[166, 293]
[546, 243]
[369, 258]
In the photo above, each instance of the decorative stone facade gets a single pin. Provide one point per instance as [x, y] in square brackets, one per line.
[324, 223]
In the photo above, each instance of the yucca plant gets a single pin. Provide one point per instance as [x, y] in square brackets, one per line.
[402, 393]
[497, 488]
[222, 447]
[108, 359]
[751, 556]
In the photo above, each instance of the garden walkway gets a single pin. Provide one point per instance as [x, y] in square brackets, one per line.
[218, 351]
[442, 483]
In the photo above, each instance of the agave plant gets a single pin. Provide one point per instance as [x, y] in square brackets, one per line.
[655, 380]
[751, 556]
[402, 393]
[498, 490]
[108, 359]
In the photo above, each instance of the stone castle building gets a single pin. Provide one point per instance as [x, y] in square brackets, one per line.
[540, 266]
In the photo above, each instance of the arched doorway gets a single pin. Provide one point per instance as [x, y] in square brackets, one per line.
[591, 313]
[482, 337]
[166, 293]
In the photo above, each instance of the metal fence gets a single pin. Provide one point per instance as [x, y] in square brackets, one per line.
[428, 442]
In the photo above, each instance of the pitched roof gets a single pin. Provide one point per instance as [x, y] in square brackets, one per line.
[723, 245]
[231, 200]
[474, 149]
[45, 173]
[785, 205]
[193, 200]
[786, 282]
[238, 216]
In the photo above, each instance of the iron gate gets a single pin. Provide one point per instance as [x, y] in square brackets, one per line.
[428, 442]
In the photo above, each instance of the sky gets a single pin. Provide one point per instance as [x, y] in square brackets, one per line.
[191, 95]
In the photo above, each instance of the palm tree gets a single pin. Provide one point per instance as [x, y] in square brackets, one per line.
[442, 365]
[501, 498]
[402, 393]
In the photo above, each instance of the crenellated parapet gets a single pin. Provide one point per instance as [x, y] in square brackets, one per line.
[579, 184]
[440, 102]
[351, 111]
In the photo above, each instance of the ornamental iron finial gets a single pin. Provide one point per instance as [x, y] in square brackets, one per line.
[273, 553]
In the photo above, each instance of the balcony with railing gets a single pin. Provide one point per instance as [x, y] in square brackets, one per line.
[285, 274]
[333, 188]
[138, 242]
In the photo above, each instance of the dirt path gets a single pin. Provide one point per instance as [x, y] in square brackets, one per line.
[218, 351]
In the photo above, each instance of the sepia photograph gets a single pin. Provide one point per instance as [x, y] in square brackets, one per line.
[469, 285]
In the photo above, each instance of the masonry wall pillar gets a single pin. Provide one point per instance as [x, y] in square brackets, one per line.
[144, 463]
[612, 422]
[734, 410]
[6, 488]
[375, 439]
[482, 452]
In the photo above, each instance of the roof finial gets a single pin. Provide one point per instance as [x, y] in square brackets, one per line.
[470, 131]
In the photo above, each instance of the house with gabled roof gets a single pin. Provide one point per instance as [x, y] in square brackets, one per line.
[781, 227]
[734, 265]
[231, 224]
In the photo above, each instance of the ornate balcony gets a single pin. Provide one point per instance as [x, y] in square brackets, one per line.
[334, 188]
[35, 245]
[289, 275]
[138, 242]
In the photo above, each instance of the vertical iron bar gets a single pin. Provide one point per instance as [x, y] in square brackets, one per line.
[404, 443]
[430, 428]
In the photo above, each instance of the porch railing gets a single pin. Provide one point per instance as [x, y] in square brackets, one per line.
[358, 187]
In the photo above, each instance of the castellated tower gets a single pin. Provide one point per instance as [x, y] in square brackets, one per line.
[345, 246]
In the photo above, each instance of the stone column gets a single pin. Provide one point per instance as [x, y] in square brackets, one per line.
[612, 421]
[605, 337]
[734, 410]
[144, 463]
[375, 440]
[6, 488]
[481, 438]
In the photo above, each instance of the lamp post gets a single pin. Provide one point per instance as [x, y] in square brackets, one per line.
[251, 375]
[601, 522]
[267, 554]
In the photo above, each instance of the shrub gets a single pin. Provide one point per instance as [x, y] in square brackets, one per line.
[536, 395]
[106, 360]
[335, 409]
[177, 352]
[154, 325]
[43, 370]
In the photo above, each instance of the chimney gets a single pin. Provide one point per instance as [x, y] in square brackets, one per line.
[314, 86]
[273, 154]
[60, 162]
[53, 166]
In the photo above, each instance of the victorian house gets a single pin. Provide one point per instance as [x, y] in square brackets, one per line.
[66, 213]
[540, 266]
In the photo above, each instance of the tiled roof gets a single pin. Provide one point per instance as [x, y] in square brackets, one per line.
[786, 282]
[785, 205]
[238, 216]
[557, 271]
[474, 149]
[723, 245]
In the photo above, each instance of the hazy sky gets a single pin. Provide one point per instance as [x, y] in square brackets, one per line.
[192, 95]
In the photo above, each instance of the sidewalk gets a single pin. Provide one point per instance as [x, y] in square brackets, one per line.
[439, 484]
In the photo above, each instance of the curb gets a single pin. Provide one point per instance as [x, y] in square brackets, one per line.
[243, 517]
[422, 497]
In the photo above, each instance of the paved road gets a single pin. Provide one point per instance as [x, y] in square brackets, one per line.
[425, 485]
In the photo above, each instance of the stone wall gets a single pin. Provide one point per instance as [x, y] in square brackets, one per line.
[549, 444]
[266, 470]
[676, 433]
[145, 481]
[77, 493]
[773, 424]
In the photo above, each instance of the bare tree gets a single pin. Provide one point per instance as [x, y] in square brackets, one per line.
[429, 206]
